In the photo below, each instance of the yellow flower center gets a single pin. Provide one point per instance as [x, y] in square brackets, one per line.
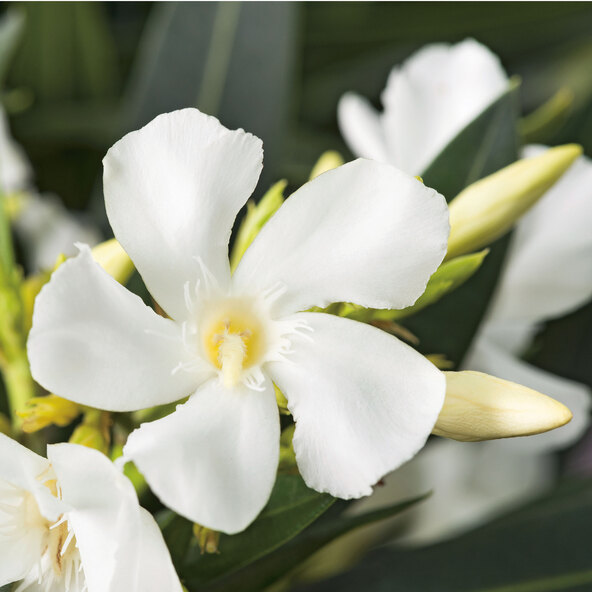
[233, 340]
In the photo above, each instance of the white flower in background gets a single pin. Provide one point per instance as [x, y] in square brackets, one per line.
[45, 227]
[15, 171]
[548, 273]
[363, 401]
[72, 523]
[427, 101]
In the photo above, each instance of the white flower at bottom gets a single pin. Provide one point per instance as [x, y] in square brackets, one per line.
[72, 523]
[363, 401]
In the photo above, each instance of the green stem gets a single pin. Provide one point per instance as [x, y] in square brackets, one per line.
[19, 384]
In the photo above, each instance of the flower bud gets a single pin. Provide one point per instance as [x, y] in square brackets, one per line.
[93, 432]
[487, 209]
[257, 216]
[40, 412]
[482, 407]
[114, 260]
[328, 161]
[207, 539]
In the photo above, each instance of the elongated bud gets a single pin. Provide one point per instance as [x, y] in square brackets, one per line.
[256, 218]
[482, 407]
[114, 260]
[487, 209]
[40, 412]
[328, 161]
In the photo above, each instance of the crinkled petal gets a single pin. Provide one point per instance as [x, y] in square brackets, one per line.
[120, 546]
[433, 96]
[96, 343]
[364, 233]
[485, 356]
[172, 192]
[549, 263]
[361, 127]
[214, 459]
[364, 403]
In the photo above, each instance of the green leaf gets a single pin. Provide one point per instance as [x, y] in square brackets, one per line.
[291, 508]
[543, 547]
[274, 565]
[483, 147]
[487, 144]
[448, 277]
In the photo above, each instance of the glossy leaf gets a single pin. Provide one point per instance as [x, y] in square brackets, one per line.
[270, 567]
[483, 147]
[291, 508]
[526, 551]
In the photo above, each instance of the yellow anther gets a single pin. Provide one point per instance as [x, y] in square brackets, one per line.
[233, 341]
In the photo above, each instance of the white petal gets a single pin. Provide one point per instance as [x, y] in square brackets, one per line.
[361, 127]
[20, 549]
[485, 356]
[436, 93]
[27, 471]
[549, 264]
[172, 192]
[364, 233]
[96, 343]
[19, 553]
[214, 459]
[120, 545]
[363, 402]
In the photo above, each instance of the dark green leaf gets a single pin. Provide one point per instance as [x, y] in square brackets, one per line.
[487, 144]
[291, 508]
[543, 547]
[272, 566]
[483, 147]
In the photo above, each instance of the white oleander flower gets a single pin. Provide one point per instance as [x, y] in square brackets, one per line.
[363, 401]
[427, 101]
[72, 523]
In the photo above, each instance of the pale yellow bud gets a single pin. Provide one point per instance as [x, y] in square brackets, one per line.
[114, 260]
[328, 161]
[207, 539]
[482, 407]
[487, 209]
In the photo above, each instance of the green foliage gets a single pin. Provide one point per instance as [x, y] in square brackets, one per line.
[487, 144]
[283, 536]
[542, 547]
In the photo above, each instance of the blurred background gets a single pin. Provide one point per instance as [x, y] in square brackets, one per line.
[77, 76]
